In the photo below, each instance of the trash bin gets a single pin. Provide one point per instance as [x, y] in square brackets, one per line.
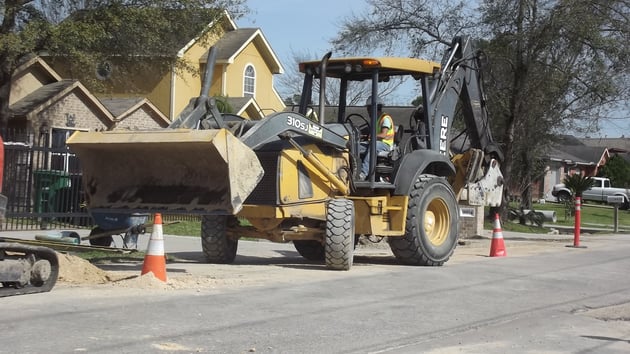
[47, 184]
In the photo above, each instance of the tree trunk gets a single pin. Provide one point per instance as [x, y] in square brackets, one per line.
[5, 91]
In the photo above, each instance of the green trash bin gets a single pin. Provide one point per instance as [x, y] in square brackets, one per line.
[47, 184]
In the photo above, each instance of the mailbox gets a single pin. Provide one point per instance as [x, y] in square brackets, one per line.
[615, 199]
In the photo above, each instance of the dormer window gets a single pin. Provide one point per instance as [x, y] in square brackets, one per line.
[249, 81]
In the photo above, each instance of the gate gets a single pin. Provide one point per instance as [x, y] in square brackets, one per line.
[42, 181]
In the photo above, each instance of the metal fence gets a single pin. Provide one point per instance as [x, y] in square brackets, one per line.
[42, 182]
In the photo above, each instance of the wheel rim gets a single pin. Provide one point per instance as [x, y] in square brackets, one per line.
[437, 221]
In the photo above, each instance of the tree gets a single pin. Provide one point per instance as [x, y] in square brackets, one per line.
[578, 184]
[617, 169]
[553, 65]
[87, 33]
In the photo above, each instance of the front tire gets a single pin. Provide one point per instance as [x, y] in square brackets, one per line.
[216, 245]
[431, 231]
[310, 249]
[339, 244]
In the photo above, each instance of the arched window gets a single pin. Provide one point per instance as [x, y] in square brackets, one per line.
[249, 81]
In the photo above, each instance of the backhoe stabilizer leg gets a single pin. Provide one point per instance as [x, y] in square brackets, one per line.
[488, 190]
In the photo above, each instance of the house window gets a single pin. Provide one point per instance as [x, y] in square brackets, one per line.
[249, 81]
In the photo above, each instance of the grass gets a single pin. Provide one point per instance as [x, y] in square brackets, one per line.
[183, 228]
[591, 215]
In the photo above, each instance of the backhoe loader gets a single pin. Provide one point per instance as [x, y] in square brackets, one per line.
[294, 179]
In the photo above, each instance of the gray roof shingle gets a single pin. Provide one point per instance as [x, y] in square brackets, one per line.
[232, 41]
[38, 97]
[118, 106]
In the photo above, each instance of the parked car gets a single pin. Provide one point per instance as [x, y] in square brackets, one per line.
[599, 192]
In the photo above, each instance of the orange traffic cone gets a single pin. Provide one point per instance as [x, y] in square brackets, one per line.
[154, 260]
[497, 248]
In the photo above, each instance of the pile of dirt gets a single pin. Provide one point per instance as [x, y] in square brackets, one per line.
[76, 270]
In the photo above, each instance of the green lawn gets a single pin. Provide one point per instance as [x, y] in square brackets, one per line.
[594, 215]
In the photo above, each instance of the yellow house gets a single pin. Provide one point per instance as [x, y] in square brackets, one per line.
[243, 74]
[245, 67]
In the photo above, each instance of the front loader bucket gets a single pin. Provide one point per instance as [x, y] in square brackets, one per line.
[177, 170]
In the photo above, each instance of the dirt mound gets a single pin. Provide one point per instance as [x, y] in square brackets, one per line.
[76, 270]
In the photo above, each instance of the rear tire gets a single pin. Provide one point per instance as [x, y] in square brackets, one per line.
[105, 241]
[310, 249]
[216, 246]
[339, 245]
[431, 231]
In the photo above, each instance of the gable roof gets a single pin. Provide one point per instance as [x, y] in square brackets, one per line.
[119, 106]
[122, 108]
[229, 24]
[571, 149]
[232, 43]
[39, 96]
[618, 144]
[245, 104]
[36, 64]
[46, 95]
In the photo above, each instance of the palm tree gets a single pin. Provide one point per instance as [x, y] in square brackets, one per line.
[577, 184]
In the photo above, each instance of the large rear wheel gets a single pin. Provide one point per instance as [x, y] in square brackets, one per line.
[216, 245]
[431, 231]
[339, 244]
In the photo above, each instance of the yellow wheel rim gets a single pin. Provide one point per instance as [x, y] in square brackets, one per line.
[437, 222]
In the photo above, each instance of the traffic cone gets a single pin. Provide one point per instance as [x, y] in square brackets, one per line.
[497, 247]
[154, 260]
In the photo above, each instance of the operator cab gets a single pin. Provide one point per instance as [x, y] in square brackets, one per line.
[348, 81]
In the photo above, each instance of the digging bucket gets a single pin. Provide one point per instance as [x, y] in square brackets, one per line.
[166, 170]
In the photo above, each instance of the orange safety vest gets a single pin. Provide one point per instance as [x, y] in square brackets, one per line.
[389, 138]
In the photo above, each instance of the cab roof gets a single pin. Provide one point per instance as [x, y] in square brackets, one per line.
[360, 68]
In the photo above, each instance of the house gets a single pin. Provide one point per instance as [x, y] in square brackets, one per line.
[42, 104]
[244, 72]
[568, 156]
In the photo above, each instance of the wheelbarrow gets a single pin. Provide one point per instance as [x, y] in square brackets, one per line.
[128, 226]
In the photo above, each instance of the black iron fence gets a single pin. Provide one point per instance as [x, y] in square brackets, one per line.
[42, 184]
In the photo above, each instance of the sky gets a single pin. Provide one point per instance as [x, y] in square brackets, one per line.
[298, 27]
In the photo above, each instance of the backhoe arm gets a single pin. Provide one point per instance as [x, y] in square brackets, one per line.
[478, 178]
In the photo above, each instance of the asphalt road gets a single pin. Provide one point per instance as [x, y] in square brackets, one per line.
[541, 302]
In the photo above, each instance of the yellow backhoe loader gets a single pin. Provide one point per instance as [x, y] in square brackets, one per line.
[298, 180]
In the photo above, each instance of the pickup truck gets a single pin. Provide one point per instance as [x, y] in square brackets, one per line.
[599, 192]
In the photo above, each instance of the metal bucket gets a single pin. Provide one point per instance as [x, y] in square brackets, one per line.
[166, 170]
